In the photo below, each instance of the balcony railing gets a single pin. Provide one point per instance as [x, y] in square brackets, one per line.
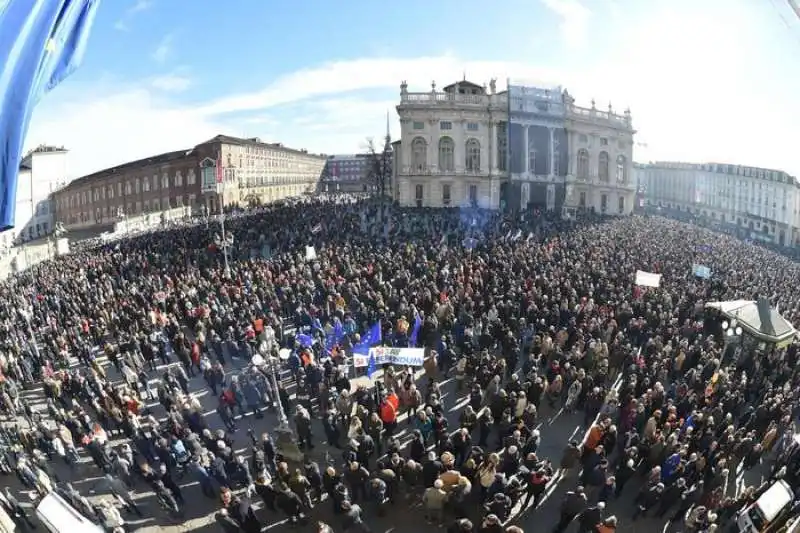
[429, 171]
[594, 179]
[431, 98]
[600, 115]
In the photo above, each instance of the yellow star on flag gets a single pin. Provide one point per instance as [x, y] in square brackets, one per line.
[51, 45]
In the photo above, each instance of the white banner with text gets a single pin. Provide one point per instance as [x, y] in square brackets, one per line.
[394, 356]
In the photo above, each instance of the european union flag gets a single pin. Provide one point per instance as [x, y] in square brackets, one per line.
[305, 340]
[412, 340]
[370, 339]
[372, 367]
[41, 43]
[335, 336]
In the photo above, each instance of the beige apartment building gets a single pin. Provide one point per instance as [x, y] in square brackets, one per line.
[221, 172]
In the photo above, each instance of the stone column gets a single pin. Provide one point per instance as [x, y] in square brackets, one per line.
[572, 154]
[493, 144]
[526, 150]
[551, 159]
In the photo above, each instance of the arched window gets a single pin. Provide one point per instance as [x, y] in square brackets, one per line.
[447, 149]
[473, 151]
[583, 164]
[622, 171]
[419, 154]
[602, 166]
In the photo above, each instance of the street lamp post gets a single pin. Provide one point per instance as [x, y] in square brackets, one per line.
[123, 218]
[52, 240]
[285, 441]
[26, 314]
[224, 241]
[732, 331]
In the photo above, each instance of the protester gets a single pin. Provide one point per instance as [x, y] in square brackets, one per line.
[535, 308]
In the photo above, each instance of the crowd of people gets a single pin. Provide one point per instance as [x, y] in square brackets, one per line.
[524, 317]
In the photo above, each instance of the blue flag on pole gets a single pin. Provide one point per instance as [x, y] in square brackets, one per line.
[370, 339]
[335, 337]
[412, 340]
[305, 340]
[372, 366]
[41, 43]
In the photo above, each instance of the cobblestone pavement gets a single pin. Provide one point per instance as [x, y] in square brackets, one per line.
[557, 428]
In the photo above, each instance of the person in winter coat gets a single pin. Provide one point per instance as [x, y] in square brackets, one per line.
[623, 474]
[574, 503]
[291, 504]
[670, 497]
[433, 500]
[491, 524]
[356, 477]
[252, 397]
[609, 525]
[607, 490]
[302, 419]
[353, 518]
[590, 517]
[647, 499]
[536, 487]
[226, 522]
[118, 489]
[268, 493]
[570, 457]
[225, 411]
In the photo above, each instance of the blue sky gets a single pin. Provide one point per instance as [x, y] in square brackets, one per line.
[705, 80]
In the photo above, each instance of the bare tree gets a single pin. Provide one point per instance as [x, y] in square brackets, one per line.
[378, 169]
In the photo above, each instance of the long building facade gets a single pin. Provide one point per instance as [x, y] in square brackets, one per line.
[223, 171]
[756, 203]
[520, 149]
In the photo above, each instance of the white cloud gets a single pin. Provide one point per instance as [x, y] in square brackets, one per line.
[164, 50]
[366, 74]
[708, 95]
[111, 126]
[574, 20]
[141, 5]
[137, 7]
[173, 83]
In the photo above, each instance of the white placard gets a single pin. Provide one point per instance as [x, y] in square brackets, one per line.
[647, 279]
[62, 246]
[311, 253]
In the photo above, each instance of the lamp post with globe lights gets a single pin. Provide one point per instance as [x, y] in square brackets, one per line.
[26, 314]
[224, 241]
[52, 240]
[285, 441]
[732, 331]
